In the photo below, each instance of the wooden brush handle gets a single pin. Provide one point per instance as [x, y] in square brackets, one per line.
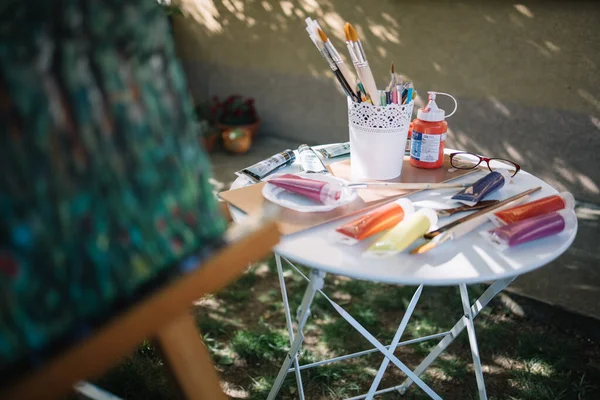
[451, 211]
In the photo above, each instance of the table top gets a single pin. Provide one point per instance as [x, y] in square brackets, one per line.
[469, 259]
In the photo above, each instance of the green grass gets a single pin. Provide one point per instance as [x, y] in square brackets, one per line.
[263, 344]
[139, 376]
[244, 329]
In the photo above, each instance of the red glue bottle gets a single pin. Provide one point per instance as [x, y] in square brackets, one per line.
[428, 138]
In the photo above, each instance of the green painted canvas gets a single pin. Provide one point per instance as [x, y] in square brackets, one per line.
[104, 186]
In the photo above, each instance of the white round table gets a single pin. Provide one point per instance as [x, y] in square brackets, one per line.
[464, 261]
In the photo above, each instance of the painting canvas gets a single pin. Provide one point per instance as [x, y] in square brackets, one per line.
[104, 185]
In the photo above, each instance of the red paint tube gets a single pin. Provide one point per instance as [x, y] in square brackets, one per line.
[542, 206]
[531, 229]
[382, 218]
[319, 191]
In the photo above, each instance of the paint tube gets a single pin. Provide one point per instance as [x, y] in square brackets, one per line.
[380, 219]
[310, 161]
[530, 229]
[334, 150]
[404, 234]
[542, 206]
[488, 184]
[319, 191]
[261, 169]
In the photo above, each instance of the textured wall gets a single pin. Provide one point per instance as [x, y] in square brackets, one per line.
[527, 76]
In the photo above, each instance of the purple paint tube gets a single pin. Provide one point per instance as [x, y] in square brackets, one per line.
[319, 191]
[531, 229]
[488, 184]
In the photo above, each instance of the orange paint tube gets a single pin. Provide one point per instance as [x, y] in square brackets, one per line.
[535, 208]
[378, 220]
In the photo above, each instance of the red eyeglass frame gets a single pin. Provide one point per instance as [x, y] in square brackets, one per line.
[486, 159]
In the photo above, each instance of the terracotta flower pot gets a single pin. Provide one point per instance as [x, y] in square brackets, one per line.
[253, 127]
[237, 140]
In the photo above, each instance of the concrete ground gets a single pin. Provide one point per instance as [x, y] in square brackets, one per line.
[571, 282]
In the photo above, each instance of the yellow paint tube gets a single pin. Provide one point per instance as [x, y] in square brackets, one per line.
[404, 234]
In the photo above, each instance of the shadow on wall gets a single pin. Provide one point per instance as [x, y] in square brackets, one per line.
[526, 75]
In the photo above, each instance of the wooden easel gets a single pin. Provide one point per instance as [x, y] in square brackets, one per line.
[164, 317]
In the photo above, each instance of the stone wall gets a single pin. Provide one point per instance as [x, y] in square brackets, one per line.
[526, 75]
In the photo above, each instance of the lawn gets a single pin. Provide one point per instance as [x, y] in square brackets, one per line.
[244, 329]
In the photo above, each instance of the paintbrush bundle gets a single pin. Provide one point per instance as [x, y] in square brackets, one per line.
[360, 88]
[378, 120]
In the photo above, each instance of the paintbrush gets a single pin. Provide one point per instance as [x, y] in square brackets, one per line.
[446, 212]
[392, 87]
[494, 207]
[406, 186]
[462, 229]
[359, 59]
[335, 56]
[352, 47]
[327, 56]
[361, 87]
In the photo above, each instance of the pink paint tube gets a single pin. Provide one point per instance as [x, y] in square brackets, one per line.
[319, 191]
[546, 205]
[530, 229]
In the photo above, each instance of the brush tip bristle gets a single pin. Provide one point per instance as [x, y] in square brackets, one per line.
[424, 248]
[392, 67]
[352, 32]
[322, 35]
[347, 32]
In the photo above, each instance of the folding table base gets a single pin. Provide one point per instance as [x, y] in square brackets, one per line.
[315, 285]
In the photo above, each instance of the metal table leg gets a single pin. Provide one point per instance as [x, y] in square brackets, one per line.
[315, 284]
[464, 295]
[289, 323]
[395, 341]
[476, 308]
[388, 353]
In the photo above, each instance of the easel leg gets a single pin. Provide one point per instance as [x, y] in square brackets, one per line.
[395, 341]
[464, 295]
[188, 360]
[315, 284]
[476, 308]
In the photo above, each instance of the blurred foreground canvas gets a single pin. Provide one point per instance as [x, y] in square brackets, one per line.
[104, 189]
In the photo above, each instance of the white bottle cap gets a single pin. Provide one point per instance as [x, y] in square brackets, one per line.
[406, 205]
[331, 194]
[431, 112]
[568, 199]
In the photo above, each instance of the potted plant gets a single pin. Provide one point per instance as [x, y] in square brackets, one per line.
[236, 112]
[237, 140]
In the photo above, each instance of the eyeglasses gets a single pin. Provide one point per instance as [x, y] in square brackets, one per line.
[466, 160]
